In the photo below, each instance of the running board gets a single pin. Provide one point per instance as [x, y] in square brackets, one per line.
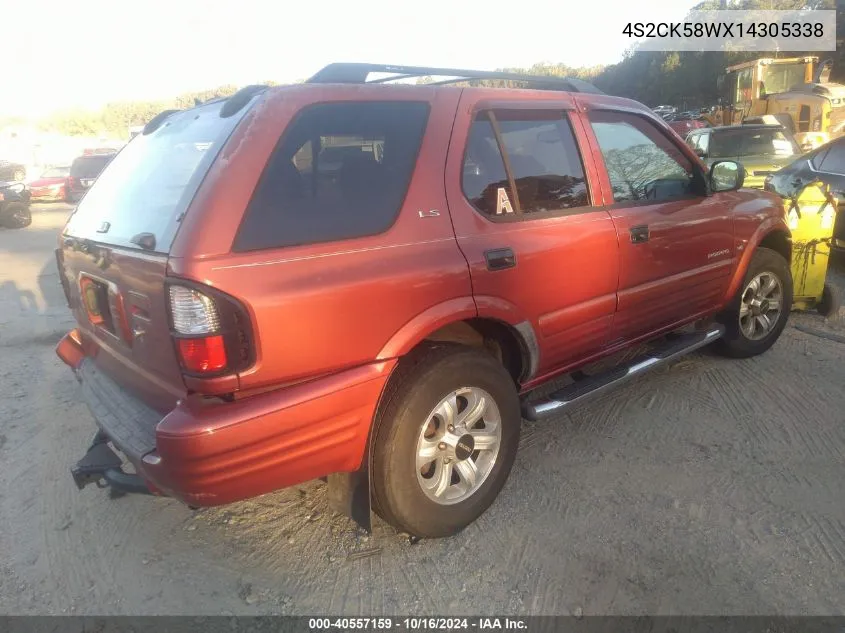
[590, 386]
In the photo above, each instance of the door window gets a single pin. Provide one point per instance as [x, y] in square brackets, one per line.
[539, 150]
[642, 163]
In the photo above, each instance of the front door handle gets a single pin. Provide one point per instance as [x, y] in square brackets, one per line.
[500, 258]
[639, 234]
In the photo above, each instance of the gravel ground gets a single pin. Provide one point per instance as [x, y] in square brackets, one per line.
[709, 487]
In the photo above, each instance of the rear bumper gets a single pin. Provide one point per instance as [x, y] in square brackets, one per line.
[211, 454]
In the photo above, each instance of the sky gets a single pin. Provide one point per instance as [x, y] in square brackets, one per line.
[84, 53]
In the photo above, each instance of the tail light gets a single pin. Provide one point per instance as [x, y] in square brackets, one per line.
[211, 330]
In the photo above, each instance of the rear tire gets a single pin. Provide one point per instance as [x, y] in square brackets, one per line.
[430, 475]
[758, 312]
[16, 216]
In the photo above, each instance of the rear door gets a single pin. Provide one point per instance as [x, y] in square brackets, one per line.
[539, 252]
[675, 243]
[114, 250]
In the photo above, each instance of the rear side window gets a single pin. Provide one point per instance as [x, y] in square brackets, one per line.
[340, 171]
[542, 156]
[148, 185]
[642, 162]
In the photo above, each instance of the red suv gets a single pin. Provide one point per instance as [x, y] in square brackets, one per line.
[366, 282]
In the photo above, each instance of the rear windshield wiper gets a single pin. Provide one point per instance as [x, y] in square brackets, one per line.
[147, 241]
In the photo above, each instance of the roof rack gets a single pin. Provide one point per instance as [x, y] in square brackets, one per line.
[357, 73]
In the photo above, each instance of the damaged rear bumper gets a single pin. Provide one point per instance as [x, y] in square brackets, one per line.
[103, 467]
[213, 453]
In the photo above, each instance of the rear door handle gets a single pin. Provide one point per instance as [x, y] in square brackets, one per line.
[500, 258]
[639, 234]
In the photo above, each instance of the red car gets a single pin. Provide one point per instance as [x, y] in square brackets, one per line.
[682, 128]
[368, 282]
[51, 185]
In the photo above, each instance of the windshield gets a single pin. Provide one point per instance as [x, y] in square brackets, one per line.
[739, 143]
[56, 172]
[782, 77]
[153, 179]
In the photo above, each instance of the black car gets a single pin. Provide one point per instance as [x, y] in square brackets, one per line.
[825, 164]
[11, 171]
[14, 205]
[83, 172]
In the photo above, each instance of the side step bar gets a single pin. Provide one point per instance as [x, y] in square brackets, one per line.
[590, 386]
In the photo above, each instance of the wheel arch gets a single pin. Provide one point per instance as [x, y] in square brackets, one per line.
[773, 234]
[459, 320]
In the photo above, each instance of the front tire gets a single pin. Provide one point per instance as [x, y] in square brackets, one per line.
[445, 440]
[758, 312]
[16, 216]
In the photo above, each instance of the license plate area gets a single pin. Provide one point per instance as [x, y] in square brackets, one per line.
[96, 298]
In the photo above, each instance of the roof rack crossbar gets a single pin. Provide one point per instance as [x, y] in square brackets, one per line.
[357, 73]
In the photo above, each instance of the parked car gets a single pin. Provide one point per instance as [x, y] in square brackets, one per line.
[683, 127]
[825, 164]
[10, 171]
[51, 185]
[248, 320]
[762, 149]
[83, 172]
[665, 109]
[14, 205]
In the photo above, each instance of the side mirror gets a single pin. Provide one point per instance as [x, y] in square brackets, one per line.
[726, 175]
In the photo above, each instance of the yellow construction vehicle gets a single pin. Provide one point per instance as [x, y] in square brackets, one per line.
[789, 89]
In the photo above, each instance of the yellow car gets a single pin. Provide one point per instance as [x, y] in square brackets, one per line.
[762, 149]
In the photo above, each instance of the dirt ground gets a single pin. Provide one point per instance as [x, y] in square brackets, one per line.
[709, 487]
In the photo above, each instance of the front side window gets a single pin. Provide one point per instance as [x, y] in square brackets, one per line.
[642, 163]
[340, 171]
[543, 158]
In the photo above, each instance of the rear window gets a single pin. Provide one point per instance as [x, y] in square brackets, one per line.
[340, 171]
[752, 143]
[151, 182]
[89, 166]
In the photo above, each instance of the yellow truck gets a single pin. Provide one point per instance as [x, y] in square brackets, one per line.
[790, 89]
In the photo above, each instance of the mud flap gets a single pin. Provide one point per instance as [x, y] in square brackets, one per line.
[349, 494]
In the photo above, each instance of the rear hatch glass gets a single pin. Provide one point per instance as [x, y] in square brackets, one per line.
[148, 186]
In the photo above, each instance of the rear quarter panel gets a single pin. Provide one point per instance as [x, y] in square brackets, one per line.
[320, 308]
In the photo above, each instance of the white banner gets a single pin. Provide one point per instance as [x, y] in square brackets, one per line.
[770, 31]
